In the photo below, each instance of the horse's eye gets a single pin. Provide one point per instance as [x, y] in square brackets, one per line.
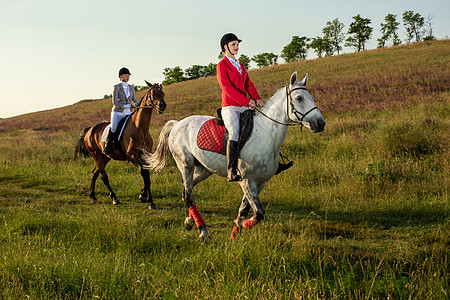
[299, 98]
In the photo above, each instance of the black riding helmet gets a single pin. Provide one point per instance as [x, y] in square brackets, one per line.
[124, 71]
[229, 37]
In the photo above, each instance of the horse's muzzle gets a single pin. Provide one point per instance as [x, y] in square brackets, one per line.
[162, 108]
[318, 125]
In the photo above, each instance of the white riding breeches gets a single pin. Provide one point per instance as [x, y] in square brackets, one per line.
[117, 116]
[231, 118]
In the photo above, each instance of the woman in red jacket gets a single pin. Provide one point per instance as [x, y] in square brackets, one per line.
[238, 95]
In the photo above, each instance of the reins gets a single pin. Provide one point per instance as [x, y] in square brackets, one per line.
[296, 113]
[273, 120]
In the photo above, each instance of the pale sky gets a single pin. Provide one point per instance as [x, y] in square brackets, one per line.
[55, 53]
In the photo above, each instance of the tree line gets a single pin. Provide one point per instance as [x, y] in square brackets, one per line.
[358, 34]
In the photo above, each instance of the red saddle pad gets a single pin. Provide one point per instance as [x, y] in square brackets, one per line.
[210, 137]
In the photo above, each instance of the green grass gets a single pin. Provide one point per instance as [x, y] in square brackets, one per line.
[362, 214]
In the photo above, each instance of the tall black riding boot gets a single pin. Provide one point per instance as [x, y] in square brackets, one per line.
[232, 161]
[109, 142]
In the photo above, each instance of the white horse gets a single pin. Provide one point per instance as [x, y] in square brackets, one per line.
[258, 159]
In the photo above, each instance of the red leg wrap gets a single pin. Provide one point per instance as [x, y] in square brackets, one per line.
[193, 212]
[235, 232]
[249, 223]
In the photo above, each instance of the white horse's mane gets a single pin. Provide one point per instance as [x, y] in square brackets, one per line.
[271, 100]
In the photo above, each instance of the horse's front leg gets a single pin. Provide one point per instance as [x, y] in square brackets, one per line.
[146, 195]
[251, 193]
[249, 200]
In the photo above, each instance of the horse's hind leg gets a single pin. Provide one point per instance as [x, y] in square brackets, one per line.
[200, 174]
[101, 163]
[187, 168]
[105, 180]
[95, 173]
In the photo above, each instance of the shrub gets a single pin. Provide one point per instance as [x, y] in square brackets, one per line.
[406, 139]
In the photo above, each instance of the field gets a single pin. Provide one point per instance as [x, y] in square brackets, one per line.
[362, 214]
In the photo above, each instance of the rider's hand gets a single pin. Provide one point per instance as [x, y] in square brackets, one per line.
[127, 106]
[259, 103]
[252, 104]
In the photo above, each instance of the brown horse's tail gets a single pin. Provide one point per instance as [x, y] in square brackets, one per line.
[162, 154]
[80, 147]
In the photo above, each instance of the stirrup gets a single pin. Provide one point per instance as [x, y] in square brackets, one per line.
[108, 148]
[282, 167]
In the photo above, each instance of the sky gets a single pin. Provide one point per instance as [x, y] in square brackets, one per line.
[54, 53]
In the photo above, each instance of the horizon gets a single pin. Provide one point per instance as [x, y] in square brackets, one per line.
[79, 61]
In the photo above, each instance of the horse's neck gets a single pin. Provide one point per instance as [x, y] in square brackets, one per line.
[275, 108]
[142, 118]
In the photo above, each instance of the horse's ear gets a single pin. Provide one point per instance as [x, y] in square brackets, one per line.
[305, 80]
[148, 83]
[293, 78]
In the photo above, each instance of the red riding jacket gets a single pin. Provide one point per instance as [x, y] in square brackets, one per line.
[235, 86]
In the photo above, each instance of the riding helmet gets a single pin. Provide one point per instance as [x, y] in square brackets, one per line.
[124, 71]
[229, 37]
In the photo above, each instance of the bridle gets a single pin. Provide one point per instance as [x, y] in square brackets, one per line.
[150, 96]
[296, 112]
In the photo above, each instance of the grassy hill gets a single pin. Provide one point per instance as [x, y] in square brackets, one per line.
[362, 214]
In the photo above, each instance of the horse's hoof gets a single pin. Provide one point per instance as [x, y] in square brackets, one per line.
[204, 234]
[94, 200]
[143, 199]
[152, 206]
[236, 231]
[189, 223]
[116, 202]
[239, 222]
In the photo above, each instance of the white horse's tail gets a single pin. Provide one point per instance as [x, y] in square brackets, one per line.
[162, 154]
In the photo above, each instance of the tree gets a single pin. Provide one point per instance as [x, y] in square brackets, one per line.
[361, 32]
[196, 71]
[333, 32]
[265, 59]
[429, 29]
[245, 60]
[210, 70]
[296, 50]
[272, 58]
[389, 30]
[414, 23]
[322, 45]
[173, 75]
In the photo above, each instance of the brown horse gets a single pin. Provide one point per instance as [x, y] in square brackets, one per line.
[134, 141]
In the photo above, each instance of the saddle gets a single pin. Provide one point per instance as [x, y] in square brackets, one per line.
[213, 135]
[119, 129]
